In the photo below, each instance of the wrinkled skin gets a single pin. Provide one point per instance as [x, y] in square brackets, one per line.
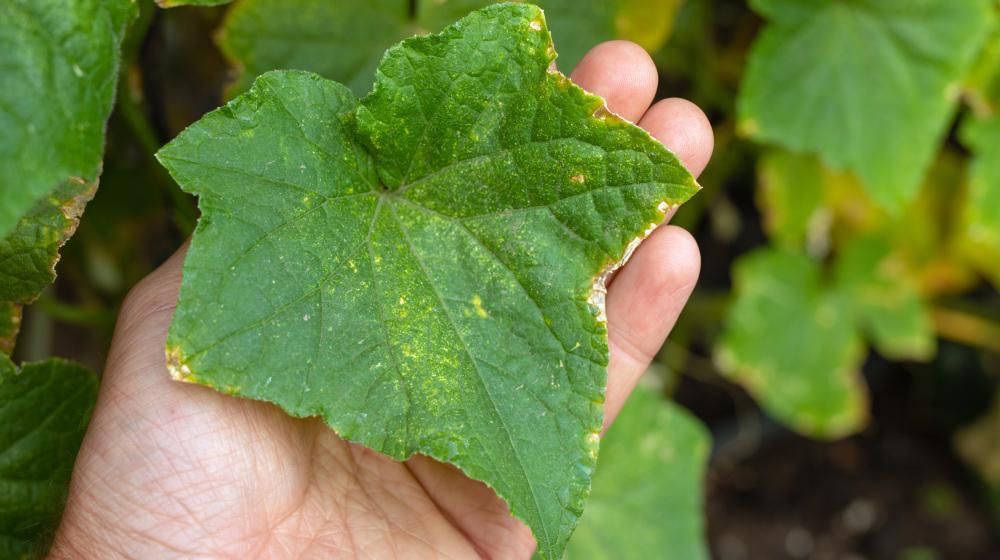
[172, 470]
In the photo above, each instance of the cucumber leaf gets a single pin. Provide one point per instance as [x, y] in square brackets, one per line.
[795, 337]
[793, 346]
[870, 86]
[423, 269]
[344, 40]
[44, 411]
[28, 255]
[880, 289]
[60, 61]
[983, 83]
[648, 487]
[982, 210]
[790, 193]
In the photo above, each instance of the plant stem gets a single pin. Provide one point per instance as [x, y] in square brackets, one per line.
[966, 327]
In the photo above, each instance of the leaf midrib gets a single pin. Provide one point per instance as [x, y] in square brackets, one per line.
[479, 376]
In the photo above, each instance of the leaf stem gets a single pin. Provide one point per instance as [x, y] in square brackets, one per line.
[966, 327]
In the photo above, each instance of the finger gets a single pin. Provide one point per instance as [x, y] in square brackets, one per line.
[623, 74]
[143, 321]
[683, 128]
[643, 304]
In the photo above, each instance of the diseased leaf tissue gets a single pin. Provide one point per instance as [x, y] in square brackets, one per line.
[418, 267]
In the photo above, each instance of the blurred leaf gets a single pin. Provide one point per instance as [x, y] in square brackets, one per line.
[982, 215]
[28, 255]
[647, 495]
[887, 306]
[925, 236]
[983, 84]
[792, 343]
[979, 445]
[577, 25]
[929, 233]
[44, 411]
[344, 40]
[869, 86]
[790, 194]
[60, 64]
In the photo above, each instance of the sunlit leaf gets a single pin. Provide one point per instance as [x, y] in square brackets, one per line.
[792, 343]
[869, 86]
[648, 494]
[790, 195]
[423, 269]
[884, 297]
[983, 83]
[982, 215]
[44, 411]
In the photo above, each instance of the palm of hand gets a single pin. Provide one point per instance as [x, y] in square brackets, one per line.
[196, 473]
[175, 470]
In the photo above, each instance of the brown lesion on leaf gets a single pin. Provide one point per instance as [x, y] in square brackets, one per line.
[10, 325]
[599, 285]
[179, 370]
[72, 209]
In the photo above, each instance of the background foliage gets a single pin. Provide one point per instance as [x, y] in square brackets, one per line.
[843, 345]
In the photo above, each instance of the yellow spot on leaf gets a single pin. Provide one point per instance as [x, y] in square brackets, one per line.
[477, 302]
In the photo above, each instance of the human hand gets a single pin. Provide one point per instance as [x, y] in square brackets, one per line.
[177, 470]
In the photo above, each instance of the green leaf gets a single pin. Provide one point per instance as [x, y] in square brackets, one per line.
[647, 498]
[44, 411]
[983, 83]
[794, 338]
[577, 25]
[790, 194]
[28, 255]
[425, 267]
[60, 61]
[791, 343]
[340, 40]
[982, 211]
[884, 297]
[868, 85]
[344, 40]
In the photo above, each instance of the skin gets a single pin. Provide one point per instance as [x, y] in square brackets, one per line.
[172, 470]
